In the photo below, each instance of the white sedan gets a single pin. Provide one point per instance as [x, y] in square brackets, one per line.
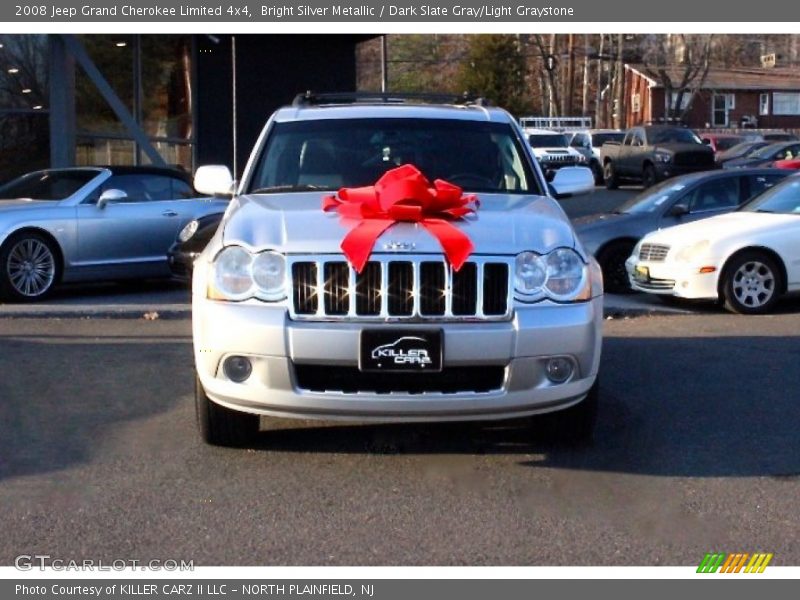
[747, 259]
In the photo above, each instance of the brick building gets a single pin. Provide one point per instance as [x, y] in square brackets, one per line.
[763, 98]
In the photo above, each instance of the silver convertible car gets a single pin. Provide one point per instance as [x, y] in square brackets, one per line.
[91, 224]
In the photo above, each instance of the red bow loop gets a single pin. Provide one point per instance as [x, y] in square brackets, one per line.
[403, 195]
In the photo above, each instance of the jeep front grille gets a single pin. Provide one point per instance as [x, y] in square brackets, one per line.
[653, 252]
[399, 288]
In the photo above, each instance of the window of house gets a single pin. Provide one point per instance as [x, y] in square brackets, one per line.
[721, 107]
[687, 96]
[784, 103]
[763, 104]
[636, 103]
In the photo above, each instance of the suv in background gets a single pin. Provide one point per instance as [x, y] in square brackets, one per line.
[552, 149]
[286, 325]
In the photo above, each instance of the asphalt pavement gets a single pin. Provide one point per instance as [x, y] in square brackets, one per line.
[696, 451]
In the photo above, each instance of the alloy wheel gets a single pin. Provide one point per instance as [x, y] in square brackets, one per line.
[753, 284]
[31, 267]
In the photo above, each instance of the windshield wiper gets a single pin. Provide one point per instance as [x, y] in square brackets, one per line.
[305, 187]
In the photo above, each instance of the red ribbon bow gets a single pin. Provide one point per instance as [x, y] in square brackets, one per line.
[403, 194]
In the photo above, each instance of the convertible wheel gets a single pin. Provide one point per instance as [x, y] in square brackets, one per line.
[30, 267]
[751, 284]
[612, 261]
[221, 426]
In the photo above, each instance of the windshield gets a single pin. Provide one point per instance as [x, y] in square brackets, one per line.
[548, 140]
[727, 143]
[598, 139]
[783, 198]
[652, 199]
[333, 153]
[767, 151]
[47, 185]
[674, 135]
[744, 149]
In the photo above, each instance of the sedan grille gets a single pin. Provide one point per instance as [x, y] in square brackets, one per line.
[408, 288]
[653, 252]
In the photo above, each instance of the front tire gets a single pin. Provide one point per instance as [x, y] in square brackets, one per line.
[221, 426]
[30, 265]
[610, 176]
[612, 261]
[752, 283]
[649, 178]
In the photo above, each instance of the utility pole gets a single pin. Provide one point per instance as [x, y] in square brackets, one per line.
[553, 108]
[619, 120]
[384, 65]
[585, 97]
[599, 118]
[570, 83]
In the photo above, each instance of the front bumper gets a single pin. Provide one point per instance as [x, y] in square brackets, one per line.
[667, 170]
[670, 278]
[274, 344]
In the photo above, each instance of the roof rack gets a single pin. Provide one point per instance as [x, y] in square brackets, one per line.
[310, 98]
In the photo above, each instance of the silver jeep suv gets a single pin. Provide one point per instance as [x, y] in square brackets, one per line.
[285, 326]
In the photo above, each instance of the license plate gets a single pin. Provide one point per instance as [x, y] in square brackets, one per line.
[641, 274]
[400, 350]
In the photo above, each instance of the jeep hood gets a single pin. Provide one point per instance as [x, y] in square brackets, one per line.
[505, 224]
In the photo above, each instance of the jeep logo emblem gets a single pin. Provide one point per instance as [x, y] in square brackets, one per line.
[399, 246]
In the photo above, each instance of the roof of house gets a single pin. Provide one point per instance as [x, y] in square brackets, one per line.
[732, 79]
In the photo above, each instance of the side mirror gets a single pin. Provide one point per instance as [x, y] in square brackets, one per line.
[572, 181]
[110, 196]
[678, 210]
[214, 180]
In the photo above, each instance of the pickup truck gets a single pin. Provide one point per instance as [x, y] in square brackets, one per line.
[653, 153]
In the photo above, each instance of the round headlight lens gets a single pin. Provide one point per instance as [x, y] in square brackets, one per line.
[529, 274]
[269, 274]
[565, 272]
[188, 231]
[232, 273]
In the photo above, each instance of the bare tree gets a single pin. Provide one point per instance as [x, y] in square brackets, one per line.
[680, 63]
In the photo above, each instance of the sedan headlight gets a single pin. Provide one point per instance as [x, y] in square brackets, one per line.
[662, 157]
[560, 275]
[241, 275]
[188, 231]
[689, 253]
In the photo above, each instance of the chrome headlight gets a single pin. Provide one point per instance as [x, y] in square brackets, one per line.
[530, 273]
[241, 275]
[566, 273]
[560, 275]
[269, 275]
[188, 231]
[662, 157]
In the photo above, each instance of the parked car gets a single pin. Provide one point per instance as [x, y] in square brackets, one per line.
[720, 142]
[740, 151]
[91, 224]
[295, 315]
[778, 136]
[589, 142]
[552, 150]
[191, 241]
[611, 237]
[653, 153]
[791, 164]
[766, 156]
[746, 259]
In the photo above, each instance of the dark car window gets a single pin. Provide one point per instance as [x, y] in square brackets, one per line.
[655, 198]
[146, 188]
[717, 194]
[548, 140]
[759, 183]
[769, 151]
[783, 198]
[726, 143]
[668, 135]
[598, 139]
[332, 153]
[580, 140]
[47, 185]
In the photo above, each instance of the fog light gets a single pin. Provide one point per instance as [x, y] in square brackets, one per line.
[559, 369]
[237, 368]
